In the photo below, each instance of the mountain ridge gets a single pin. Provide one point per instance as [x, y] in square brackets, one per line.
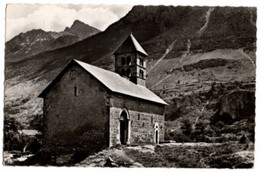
[37, 40]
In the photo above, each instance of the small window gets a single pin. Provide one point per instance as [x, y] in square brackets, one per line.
[76, 90]
[141, 73]
[152, 119]
[141, 62]
[128, 60]
[139, 116]
[123, 60]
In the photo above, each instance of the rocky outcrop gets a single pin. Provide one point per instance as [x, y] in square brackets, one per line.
[235, 106]
[203, 64]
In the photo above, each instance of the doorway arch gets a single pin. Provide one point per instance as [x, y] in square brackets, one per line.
[124, 128]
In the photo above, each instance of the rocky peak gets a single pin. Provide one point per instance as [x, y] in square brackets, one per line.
[78, 23]
[81, 29]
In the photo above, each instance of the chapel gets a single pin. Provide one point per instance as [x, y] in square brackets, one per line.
[87, 108]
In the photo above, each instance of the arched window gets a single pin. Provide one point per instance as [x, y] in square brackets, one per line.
[123, 72]
[141, 62]
[128, 60]
[123, 60]
[128, 72]
[141, 73]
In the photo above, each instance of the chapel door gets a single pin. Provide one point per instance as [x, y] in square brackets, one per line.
[123, 128]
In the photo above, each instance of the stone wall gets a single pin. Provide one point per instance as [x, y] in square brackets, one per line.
[76, 121]
[143, 128]
[143, 116]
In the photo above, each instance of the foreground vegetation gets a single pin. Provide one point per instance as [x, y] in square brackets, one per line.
[183, 155]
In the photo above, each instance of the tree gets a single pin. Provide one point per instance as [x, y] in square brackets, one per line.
[186, 127]
[12, 139]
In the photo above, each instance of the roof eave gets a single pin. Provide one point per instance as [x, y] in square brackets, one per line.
[162, 103]
[146, 55]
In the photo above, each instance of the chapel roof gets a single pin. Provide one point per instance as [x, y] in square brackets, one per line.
[115, 83]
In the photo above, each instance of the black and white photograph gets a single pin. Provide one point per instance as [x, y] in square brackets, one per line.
[129, 86]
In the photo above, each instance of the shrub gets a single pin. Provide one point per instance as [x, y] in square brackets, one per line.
[25, 100]
[186, 127]
[34, 146]
[179, 137]
[12, 139]
[220, 124]
[37, 123]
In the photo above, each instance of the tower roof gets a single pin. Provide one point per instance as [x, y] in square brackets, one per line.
[130, 44]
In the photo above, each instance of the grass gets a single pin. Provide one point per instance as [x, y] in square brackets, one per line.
[177, 155]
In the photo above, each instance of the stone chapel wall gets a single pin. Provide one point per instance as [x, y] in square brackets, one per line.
[143, 115]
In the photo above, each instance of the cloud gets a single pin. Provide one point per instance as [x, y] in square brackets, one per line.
[25, 17]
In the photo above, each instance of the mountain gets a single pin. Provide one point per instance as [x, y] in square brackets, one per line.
[81, 29]
[193, 51]
[37, 40]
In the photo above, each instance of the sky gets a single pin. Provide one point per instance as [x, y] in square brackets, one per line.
[25, 17]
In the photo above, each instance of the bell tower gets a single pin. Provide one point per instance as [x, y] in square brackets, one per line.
[130, 61]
